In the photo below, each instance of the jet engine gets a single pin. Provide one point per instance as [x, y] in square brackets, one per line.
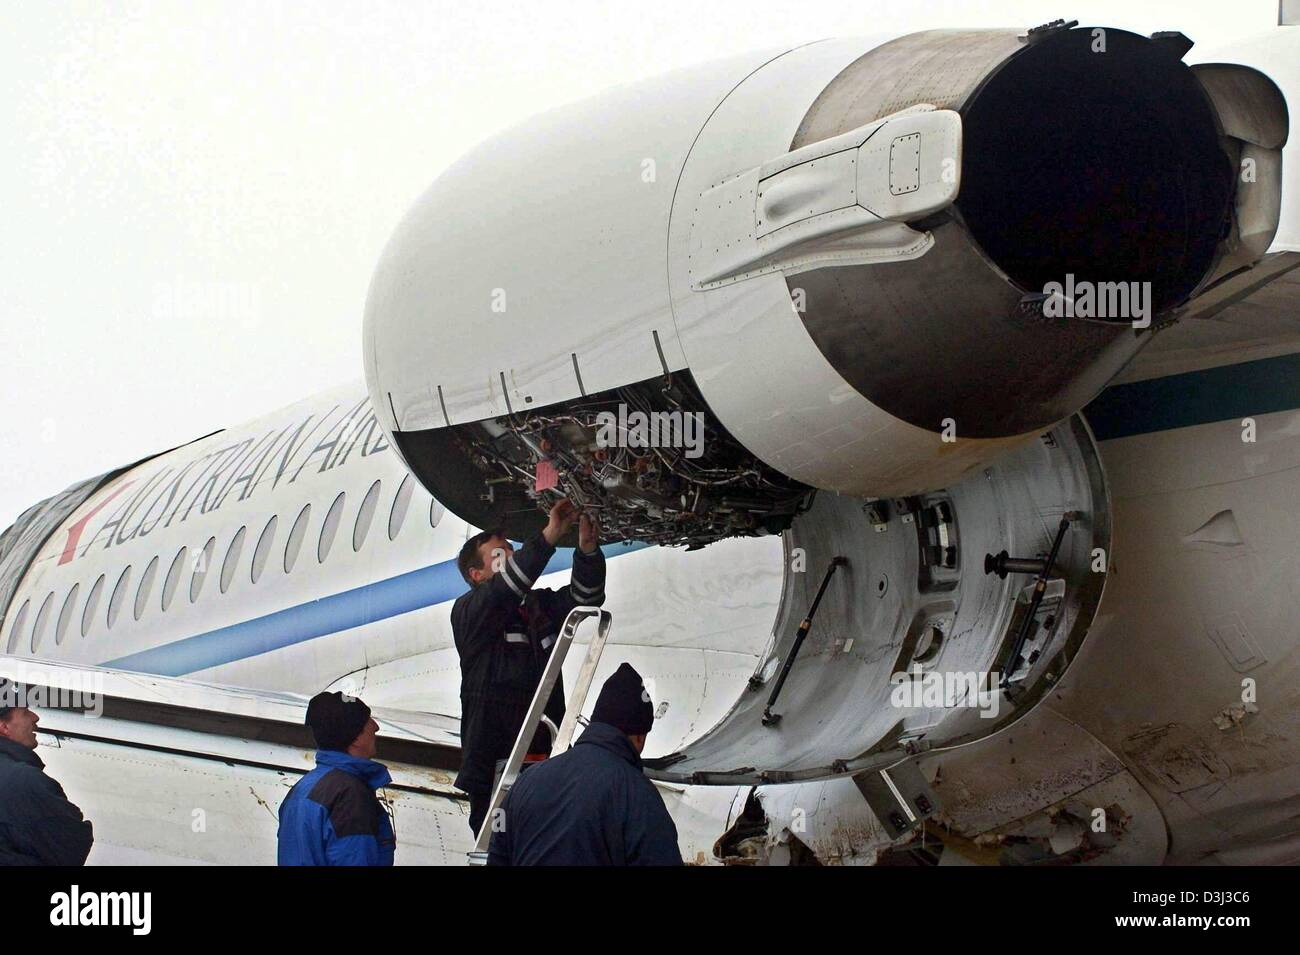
[855, 266]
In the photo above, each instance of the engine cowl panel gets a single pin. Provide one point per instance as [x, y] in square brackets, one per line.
[648, 462]
[854, 266]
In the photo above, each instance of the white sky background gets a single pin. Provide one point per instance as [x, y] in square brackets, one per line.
[193, 195]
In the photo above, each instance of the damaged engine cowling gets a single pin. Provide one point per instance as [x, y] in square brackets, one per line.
[859, 266]
[634, 458]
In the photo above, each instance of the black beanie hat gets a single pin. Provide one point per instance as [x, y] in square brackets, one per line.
[336, 720]
[624, 703]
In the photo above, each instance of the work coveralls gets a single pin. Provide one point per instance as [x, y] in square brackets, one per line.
[504, 631]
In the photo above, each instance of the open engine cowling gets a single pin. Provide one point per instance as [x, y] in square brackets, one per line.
[863, 267]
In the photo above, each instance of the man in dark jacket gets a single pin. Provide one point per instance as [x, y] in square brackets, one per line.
[38, 825]
[504, 631]
[332, 815]
[592, 805]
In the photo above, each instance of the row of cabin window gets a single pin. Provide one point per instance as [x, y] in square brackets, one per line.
[201, 561]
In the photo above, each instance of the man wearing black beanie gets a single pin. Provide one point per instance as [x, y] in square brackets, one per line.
[332, 815]
[593, 804]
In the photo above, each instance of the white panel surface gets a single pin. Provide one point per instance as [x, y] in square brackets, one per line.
[542, 246]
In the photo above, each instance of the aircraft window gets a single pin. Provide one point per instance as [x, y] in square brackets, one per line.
[173, 577]
[119, 595]
[146, 588]
[296, 534]
[400, 505]
[92, 605]
[18, 626]
[201, 562]
[330, 527]
[42, 619]
[365, 516]
[232, 559]
[65, 615]
[436, 511]
[263, 548]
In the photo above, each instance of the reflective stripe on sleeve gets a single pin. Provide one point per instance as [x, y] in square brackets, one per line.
[582, 590]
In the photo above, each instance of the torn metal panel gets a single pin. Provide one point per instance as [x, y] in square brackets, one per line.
[1104, 824]
[824, 823]
[1020, 786]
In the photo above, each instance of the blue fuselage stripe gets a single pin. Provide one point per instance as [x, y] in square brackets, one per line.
[415, 590]
[1197, 397]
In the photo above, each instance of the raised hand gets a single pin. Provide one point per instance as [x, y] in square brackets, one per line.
[562, 516]
[588, 535]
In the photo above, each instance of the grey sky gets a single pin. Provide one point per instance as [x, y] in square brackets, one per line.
[194, 195]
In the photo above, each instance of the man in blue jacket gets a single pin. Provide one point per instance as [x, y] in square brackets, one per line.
[332, 815]
[593, 804]
[38, 825]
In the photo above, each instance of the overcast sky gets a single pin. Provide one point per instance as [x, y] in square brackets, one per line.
[194, 194]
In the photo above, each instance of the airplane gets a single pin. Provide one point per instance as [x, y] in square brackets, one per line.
[985, 553]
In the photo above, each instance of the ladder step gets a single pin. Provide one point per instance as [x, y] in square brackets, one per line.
[536, 713]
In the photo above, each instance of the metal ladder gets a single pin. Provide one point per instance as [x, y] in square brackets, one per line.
[537, 712]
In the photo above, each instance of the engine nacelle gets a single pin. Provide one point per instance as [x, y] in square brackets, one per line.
[854, 266]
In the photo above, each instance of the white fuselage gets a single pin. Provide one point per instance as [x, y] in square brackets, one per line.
[296, 550]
